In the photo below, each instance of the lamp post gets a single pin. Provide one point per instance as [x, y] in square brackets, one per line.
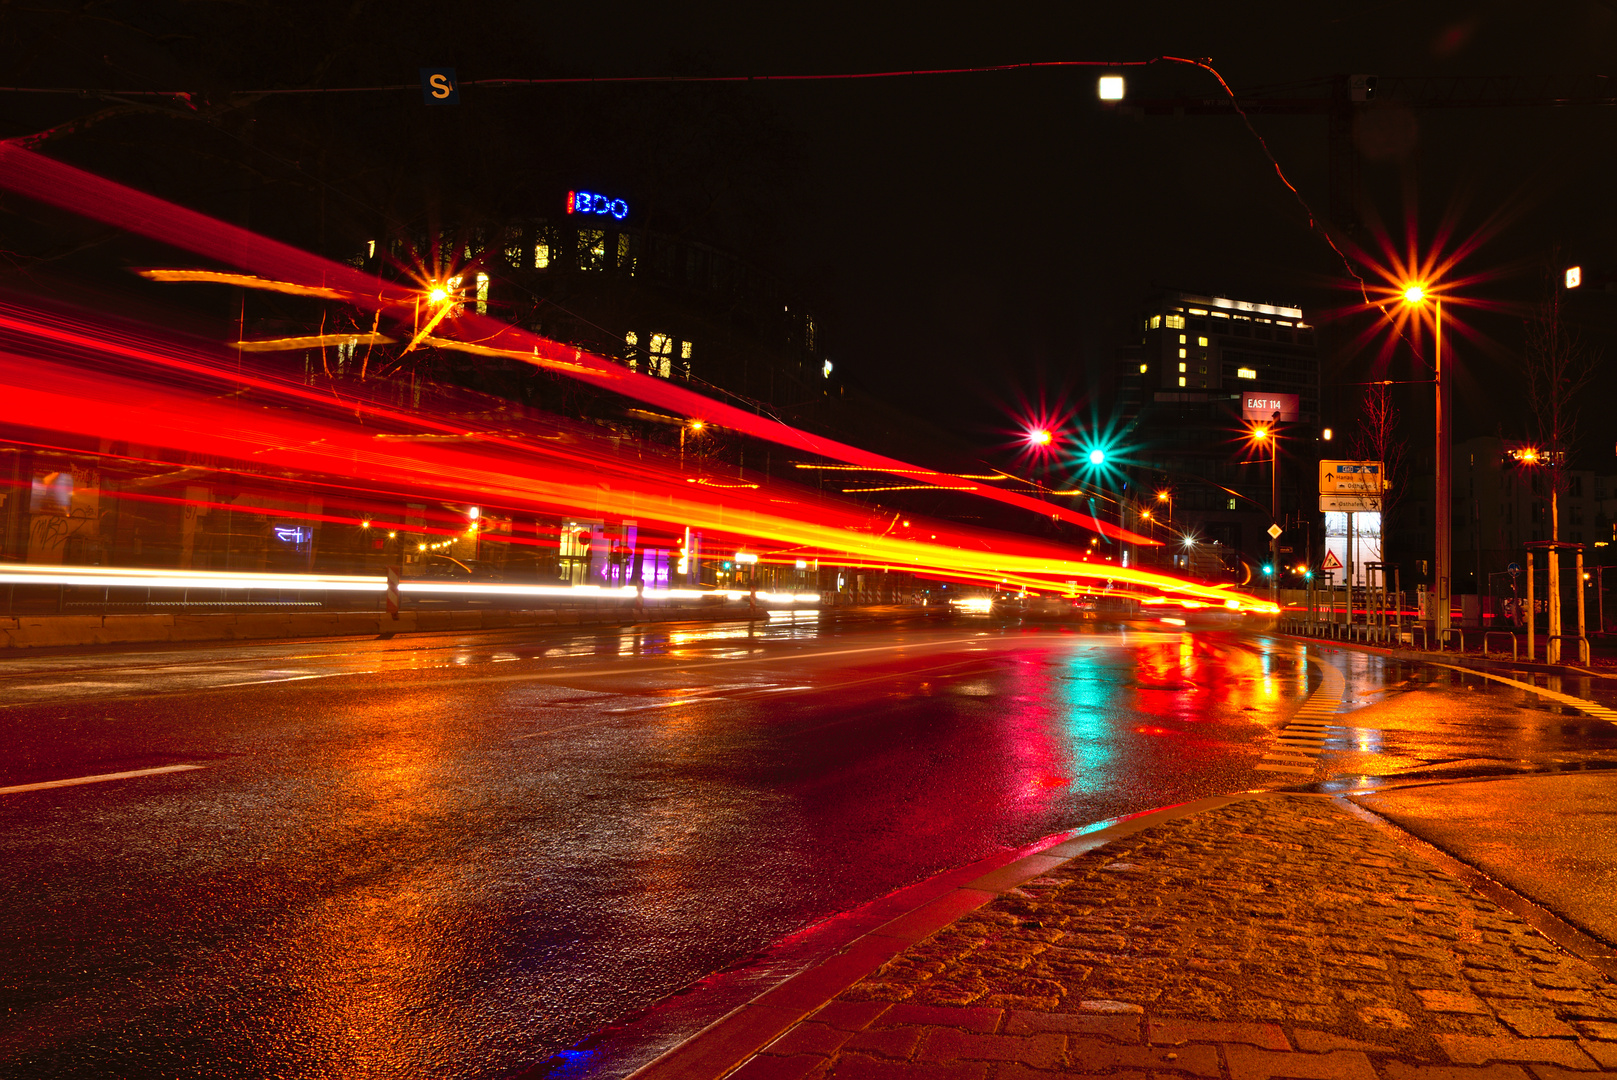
[1270, 436]
[1442, 516]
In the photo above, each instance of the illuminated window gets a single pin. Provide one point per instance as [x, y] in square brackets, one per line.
[1174, 322]
[1156, 322]
[1181, 380]
[513, 250]
[631, 342]
[685, 356]
[370, 246]
[482, 294]
[1246, 373]
[1202, 342]
[1183, 368]
[1143, 368]
[1232, 504]
[661, 360]
[625, 253]
[1196, 311]
[1181, 339]
[541, 256]
[591, 249]
[1181, 356]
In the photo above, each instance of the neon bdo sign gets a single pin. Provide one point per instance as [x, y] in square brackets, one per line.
[586, 202]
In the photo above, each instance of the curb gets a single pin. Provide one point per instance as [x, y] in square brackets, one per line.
[1456, 659]
[729, 1041]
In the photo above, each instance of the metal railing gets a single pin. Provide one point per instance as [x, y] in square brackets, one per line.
[1486, 634]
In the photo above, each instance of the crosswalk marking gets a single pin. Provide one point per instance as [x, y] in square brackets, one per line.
[1304, 735]
[1581, 704]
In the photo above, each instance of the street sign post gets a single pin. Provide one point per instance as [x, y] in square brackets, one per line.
[1350, 504]
[1351, 478]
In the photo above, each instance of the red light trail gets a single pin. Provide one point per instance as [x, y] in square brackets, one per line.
[93, 384]
[63, 186]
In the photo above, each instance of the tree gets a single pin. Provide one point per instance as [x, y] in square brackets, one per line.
[1376, 439]
[1558, 367]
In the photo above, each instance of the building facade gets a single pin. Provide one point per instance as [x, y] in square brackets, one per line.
[1180, 395]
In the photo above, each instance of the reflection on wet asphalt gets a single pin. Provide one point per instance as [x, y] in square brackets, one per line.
[457, 856]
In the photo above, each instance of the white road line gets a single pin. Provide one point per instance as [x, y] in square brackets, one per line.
[1282, 768]
[1598, 711]
[1287, 757]
[102, 778]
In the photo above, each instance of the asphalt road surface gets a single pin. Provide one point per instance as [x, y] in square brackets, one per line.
[459, 856]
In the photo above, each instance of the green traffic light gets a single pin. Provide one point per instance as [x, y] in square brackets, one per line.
[1097, 456]
[1268, 571]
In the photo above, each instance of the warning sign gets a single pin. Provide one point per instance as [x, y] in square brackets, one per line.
[1331, 562]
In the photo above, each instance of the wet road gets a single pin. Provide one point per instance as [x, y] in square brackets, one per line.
[457, 856]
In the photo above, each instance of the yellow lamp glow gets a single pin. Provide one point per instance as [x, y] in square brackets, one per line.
[1414, 294]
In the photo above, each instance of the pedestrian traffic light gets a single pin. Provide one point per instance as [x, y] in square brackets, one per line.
[1268, 570]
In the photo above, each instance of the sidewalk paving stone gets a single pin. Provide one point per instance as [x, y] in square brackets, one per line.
[1276, 936]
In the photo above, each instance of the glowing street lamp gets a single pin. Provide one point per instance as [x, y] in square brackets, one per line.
[1414, 294]
[1110, 87]
[1263, 435]
[1097, 456]
[1040, 437]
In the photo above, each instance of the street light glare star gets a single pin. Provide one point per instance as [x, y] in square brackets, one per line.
[1041, 437]
[1097, 457]
[438, 294]
[1414, 294]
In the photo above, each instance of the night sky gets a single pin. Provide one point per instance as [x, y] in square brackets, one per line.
[968, 242]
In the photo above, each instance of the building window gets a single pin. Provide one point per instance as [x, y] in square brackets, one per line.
[661, 360]
[1202, 371]
[1232, 504]
[592, 249]
[631, 342]
[1202, 342]
[685, 357]
[1174, 322]
[1182, 367]
[1246, 373]
[1181, 341]
[1181, 354]
[482, 294]
[625, 253]
[541, 256]
[1155, 323]
[1143, 368]
[1181, 380]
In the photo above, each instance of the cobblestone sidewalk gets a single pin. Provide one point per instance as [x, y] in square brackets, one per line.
[1279, 936]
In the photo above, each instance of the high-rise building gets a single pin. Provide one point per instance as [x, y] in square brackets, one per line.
[1180, 397]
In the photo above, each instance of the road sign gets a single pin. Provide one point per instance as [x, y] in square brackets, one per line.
[1255, 406]
[1351, 478]
[1275, 531]
[1331, 562]
[1514, 569]
[1351, 504]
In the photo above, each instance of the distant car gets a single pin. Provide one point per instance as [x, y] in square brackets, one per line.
[444, 568]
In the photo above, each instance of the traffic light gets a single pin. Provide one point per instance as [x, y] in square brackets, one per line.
[1268, 570]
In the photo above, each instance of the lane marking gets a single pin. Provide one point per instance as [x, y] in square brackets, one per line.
[101, 779]
[1264, 765]
[1581, 704]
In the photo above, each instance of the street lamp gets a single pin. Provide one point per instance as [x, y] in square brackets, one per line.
[1270, 436]
[1416, 294]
